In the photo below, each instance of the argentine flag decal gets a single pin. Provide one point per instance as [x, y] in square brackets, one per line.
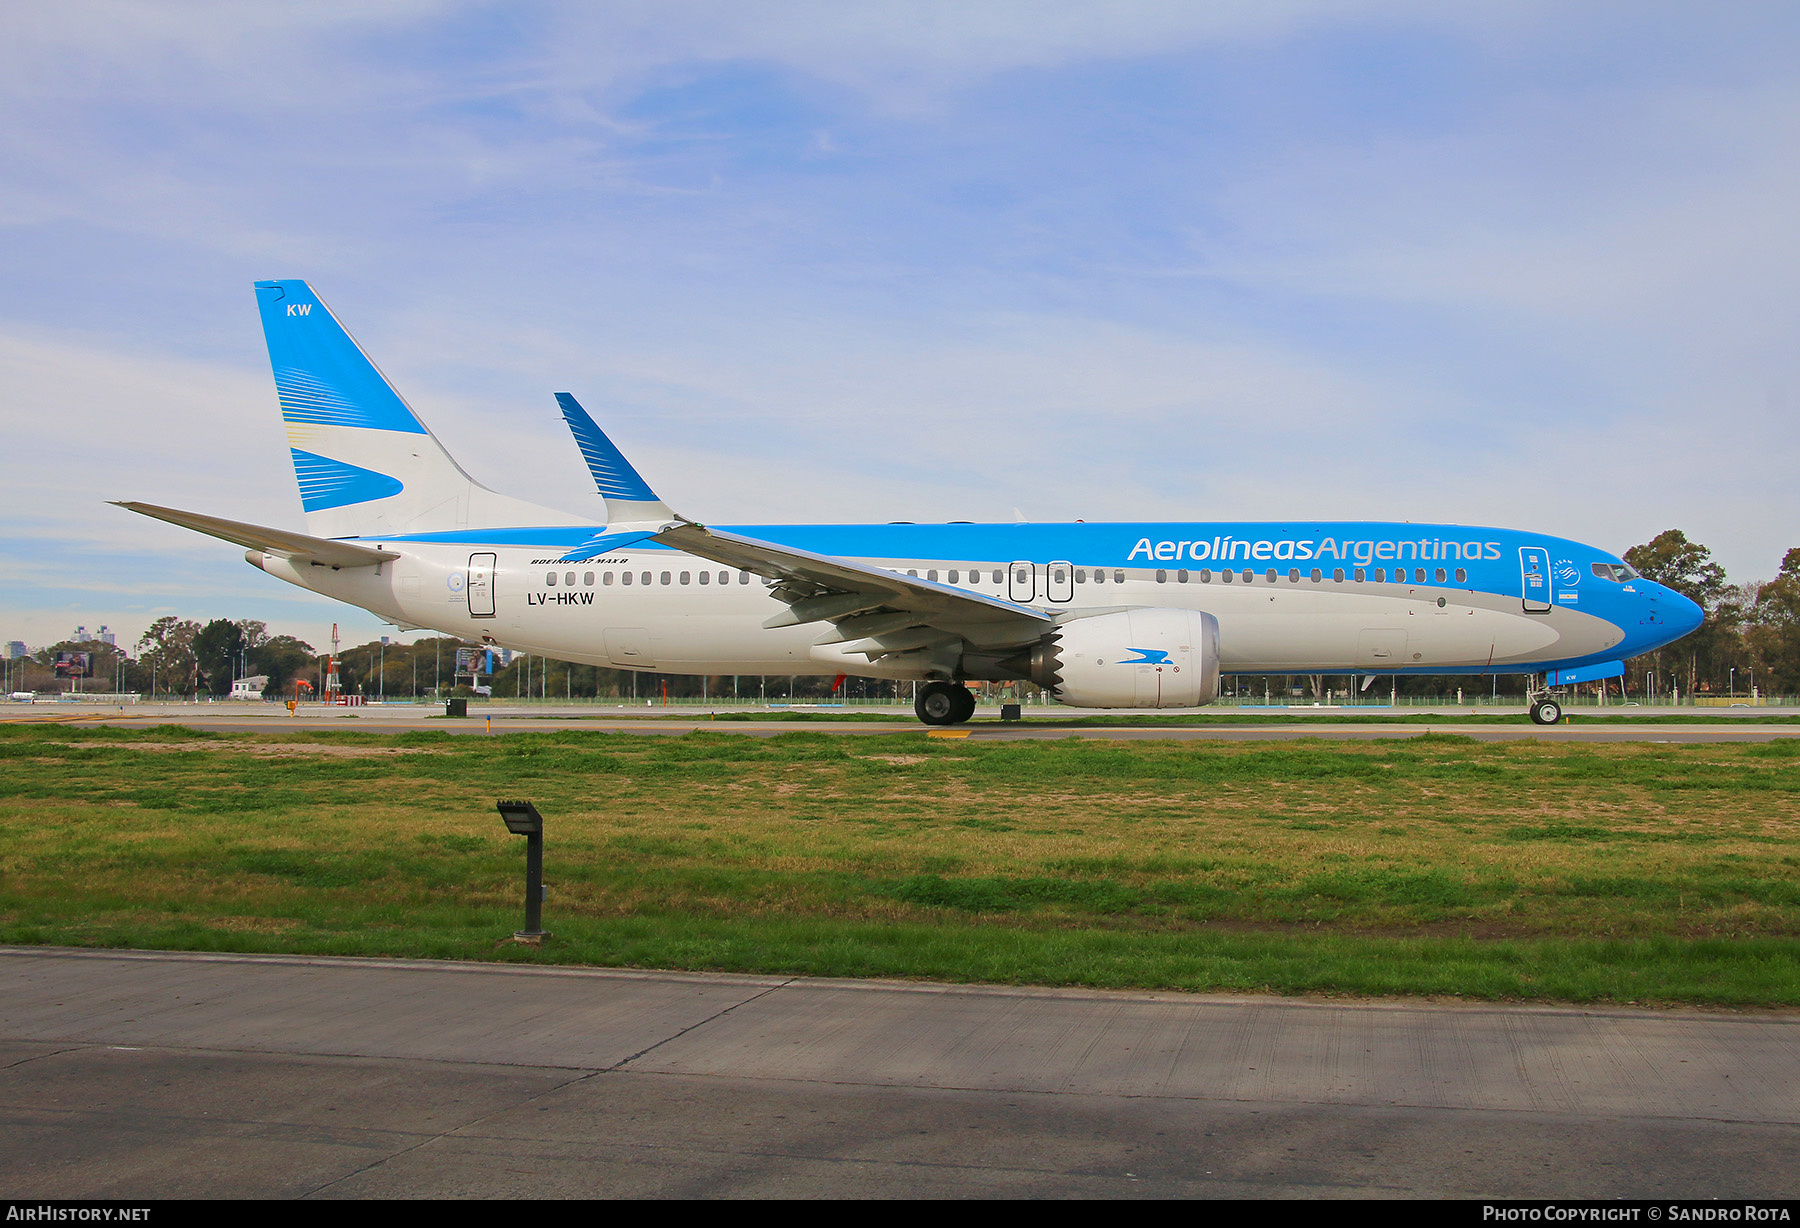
[327, 483]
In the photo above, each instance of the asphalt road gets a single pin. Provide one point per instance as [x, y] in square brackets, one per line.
[139, 1075]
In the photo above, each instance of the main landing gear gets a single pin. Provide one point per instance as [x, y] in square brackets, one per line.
[944, 703]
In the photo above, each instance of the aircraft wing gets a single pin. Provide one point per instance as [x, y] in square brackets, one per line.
[298, 546]
[872, 611]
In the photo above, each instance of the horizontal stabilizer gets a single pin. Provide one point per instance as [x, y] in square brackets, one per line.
[297, 546]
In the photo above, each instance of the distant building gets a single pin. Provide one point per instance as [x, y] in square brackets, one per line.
[16, 650]
[84, 636]
[249, 688]
[107, 637]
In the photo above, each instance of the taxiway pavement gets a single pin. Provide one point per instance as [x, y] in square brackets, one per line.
[153, 1075]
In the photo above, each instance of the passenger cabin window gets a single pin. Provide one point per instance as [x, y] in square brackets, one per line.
[607, 578]
[1206, 575]
[1099, 576]
[953, 574]
[1318, 575]
[1441, 576]
[665, 577]
[1418, 575]
[1181, 577]
[1162, 577]
[550, 579]
[706, 577]
[1293, 575]
[684, 577]
[1462, 575]
[1081, 575]
[625, 578]
[743, 577]
[1118, 575]
[1379, 575]
[1337, 575]
[644, 577]
[932, 574]
[1360, 575]
[1227, 577]
[587, 579]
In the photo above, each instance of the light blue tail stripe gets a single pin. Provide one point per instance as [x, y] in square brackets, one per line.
[613, 474]
[327, 483]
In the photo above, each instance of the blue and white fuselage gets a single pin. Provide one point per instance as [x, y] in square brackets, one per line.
[1111, 615]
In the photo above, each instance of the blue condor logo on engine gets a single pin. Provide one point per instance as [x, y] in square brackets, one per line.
[1147, 656]
[1229, 549]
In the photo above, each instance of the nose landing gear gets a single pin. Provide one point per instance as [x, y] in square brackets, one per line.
[944, 703]
[1544, 707]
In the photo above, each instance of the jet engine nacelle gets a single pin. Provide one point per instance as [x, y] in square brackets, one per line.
[1150, 658]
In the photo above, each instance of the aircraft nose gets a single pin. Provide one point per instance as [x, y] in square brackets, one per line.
[1679, 614]
[1685, 614]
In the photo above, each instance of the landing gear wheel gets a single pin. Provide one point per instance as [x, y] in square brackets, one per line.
[1546, 711]
[965, 704]
[944, 703]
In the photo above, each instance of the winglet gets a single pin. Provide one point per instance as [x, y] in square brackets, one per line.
[629, 499]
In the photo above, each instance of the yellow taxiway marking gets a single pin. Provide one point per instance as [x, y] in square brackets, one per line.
[948, 733]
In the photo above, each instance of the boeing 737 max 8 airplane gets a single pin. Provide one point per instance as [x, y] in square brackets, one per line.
[1101, 615]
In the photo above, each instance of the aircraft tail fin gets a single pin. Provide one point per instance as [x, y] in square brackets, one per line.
[629, 499]
[366, 464]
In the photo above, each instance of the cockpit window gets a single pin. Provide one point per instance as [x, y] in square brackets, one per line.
[1620, 572]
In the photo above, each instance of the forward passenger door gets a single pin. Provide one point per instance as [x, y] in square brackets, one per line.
[1534, 578]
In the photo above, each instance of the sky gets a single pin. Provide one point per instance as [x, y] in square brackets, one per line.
[1522, 264]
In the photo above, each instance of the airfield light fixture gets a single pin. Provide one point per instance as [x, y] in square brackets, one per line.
[523, 819]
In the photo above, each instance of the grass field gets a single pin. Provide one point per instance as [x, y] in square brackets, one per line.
[1420, 865]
